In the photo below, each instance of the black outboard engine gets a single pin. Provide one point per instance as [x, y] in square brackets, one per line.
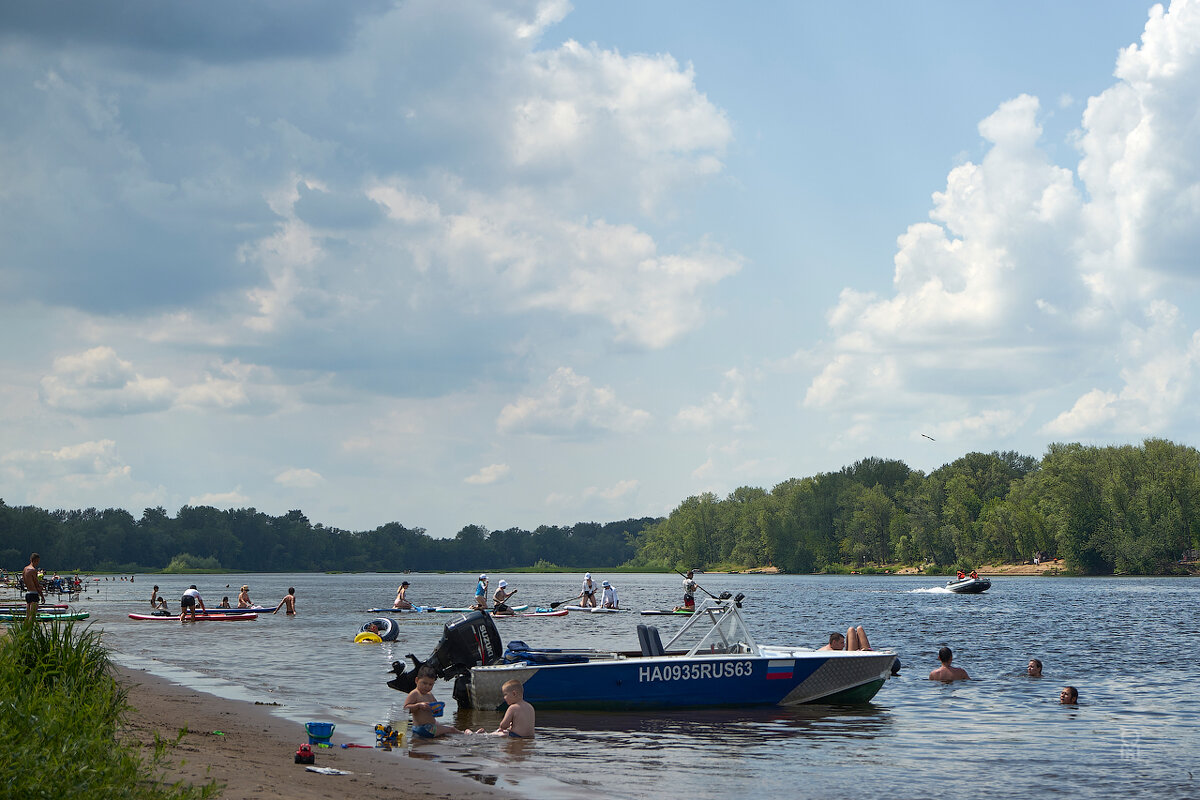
[469, 641]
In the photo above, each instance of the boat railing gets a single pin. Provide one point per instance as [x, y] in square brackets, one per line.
[726, 630]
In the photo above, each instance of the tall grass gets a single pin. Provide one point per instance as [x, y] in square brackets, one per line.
[60, 709]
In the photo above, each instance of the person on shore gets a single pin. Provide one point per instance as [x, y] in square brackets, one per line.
[948, 672]
[481, 588]
[244, 597]
[609, 597]
[1034, 670]
[421, 703]
[587, 597]
[224, 602]
[154, 597]
[500, 599]
[33, 587]
[518, 721]
[1069, 696]
[288, 602]
[402, 596]
[689, 593]
[187, 604]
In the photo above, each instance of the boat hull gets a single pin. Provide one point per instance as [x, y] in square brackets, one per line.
[969, 586]
[658, 682]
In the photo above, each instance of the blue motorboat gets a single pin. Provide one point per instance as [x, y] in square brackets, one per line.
[712, 661]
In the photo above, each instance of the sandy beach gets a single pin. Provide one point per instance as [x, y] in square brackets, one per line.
[254, 755]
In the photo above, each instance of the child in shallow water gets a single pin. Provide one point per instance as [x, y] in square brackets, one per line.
[421, 703]
[518, 719]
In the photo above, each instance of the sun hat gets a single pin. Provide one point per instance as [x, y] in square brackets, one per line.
[483, 577]
[606, 584]
[503, 583]
[587, 575]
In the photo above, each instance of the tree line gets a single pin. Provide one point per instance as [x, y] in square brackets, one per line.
[1102, 510]
[1118, 509]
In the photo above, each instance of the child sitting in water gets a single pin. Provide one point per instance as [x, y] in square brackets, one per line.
[421, 704]
[519, 718]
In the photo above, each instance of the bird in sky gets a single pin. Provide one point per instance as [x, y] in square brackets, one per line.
[930, 438]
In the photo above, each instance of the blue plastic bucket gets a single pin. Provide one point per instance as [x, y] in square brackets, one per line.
[319, 732]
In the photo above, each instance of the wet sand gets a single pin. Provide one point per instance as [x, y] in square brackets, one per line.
[255, 756]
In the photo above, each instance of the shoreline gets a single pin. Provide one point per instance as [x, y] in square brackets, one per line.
[254, 754]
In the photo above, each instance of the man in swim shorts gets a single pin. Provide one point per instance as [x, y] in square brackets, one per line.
[33, 588]
[191, 598]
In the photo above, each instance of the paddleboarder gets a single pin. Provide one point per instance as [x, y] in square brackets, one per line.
[191, 598]
[588, 595]
[609, 598]
[244, 596]
[689, 593]
[402, 596]
[500, 599]
[481, 588]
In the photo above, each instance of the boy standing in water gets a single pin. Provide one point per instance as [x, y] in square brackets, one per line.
[289, 601]
[518, 722]
[421, 703]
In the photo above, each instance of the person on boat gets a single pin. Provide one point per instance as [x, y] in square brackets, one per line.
[33, 587]
[948, 672]
[837, 641]
[855, 638]
[588, 595]
[1069, 696]
[244, 597]
[974, 575]
[191, 598]
[608, 599]
[689, 593]
[961, 575]
[402, 596]
[519, 717]
[288, 602]
[1034, 670]
[500, 599]
[224, 602]
[481, 588]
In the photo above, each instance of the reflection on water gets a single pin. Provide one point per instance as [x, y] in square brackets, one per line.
[1130, 645]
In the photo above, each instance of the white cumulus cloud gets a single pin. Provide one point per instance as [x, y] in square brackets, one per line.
[569, 404]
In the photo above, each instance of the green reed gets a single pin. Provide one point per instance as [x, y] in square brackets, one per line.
[60, 710]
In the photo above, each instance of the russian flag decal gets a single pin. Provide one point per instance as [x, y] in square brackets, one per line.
[780, 669]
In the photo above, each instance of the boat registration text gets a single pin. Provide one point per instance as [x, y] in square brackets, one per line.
[695, 671]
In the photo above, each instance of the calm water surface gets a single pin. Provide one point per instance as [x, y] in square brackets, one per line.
[1130, 645]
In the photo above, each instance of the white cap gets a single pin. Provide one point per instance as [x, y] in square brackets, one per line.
[483, 577]
[587, 575]
[606, 583]
[503, 583]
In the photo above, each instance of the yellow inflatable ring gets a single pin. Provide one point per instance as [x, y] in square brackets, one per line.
[366, 637]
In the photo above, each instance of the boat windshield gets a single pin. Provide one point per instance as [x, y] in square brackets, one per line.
[716, 627]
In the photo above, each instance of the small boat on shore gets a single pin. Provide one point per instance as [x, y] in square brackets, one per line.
[969, 585]
[712, 661]
[45, 614]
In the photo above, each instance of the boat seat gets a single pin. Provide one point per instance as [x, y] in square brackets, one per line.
[650, 641]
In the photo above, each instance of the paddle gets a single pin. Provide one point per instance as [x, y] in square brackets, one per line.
[569, 599]
[698, 586]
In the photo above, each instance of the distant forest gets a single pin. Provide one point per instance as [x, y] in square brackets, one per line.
[1102, 510]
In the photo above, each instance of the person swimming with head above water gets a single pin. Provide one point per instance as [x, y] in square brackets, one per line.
[947, 672]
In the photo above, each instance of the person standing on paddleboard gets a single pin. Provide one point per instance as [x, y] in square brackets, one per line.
[689, 593]
[191, 598]
[481, 588]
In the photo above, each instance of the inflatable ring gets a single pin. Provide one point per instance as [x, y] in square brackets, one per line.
[366, 637]
[386, 629]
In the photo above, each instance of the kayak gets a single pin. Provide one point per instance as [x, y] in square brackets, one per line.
[651, 612]
[199, 617]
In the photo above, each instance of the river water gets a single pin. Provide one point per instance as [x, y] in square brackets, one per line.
[1131, 646]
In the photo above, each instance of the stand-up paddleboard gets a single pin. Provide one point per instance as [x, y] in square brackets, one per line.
[413, 610]
[247, 610]
[464, 610]
[596, 610]
[541, 612]
[654, 612]
[59, 616]
[199, 617]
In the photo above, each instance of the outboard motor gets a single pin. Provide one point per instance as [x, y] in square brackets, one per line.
[469, 641]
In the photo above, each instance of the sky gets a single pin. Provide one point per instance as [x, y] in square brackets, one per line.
[526, 263]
